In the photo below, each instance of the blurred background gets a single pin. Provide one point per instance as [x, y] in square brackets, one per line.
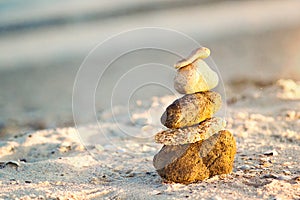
[43, 43]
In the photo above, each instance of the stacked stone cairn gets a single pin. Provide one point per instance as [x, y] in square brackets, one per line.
[196, 144]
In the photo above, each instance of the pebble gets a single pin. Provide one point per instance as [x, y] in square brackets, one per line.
[245, 167]
[264, 159]
[286, 172]
[9, 163]
[65, 148]
[109, 147]
[99, 147]
[271, 153]
[191, 109]
[23, 160]
[200, 53]
[297, 179]
[286, 163]
[284, 178]
[278, 177]
[197, 161]
[121, 150]
[191, 134]
[132, 174]
[196, 77]
[156, 192]
[274, 176]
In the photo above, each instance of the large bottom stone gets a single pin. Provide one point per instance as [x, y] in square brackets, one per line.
[197, 161]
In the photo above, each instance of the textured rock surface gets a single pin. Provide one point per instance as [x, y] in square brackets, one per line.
[191, 134]
[195, 162]
[191, 109]
[195, 77]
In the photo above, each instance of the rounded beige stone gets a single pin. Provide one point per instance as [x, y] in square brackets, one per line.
[191, 134]
[200, 53]
[195, 77]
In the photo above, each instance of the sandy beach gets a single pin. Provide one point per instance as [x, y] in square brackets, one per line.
[45, 154]
[54, 164]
